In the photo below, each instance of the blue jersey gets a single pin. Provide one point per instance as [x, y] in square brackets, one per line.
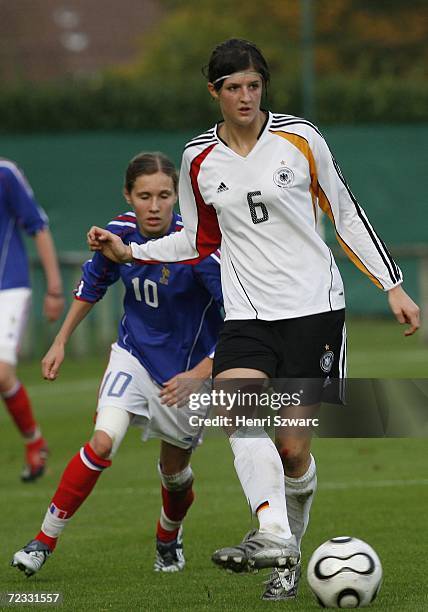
[18, 211]
[172, 311]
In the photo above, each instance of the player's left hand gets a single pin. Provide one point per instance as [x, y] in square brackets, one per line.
[404, 309]
[53, 359]
[53, 306]
[177, 389]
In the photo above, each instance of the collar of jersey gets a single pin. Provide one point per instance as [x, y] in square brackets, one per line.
[263, 131]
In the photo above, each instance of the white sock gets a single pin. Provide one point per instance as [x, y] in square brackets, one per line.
[52, 525]
[36, 435]
[299, 493]
[166, 523]
[176, 482]
[261, 474]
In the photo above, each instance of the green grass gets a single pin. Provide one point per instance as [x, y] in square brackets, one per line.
[373, 489]
[378, 349]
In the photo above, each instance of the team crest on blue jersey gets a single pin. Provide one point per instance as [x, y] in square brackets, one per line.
[283, 177]
[165, 275]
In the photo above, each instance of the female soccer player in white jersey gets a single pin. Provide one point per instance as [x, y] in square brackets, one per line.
[169, 328]
[254, 184]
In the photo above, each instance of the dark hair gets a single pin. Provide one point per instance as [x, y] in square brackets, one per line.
[235, 55]
[149, 163]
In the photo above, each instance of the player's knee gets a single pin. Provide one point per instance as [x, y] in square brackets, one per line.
[101, 444]
[174, 465]
[7, 377]
[293, 456]
[173, 460]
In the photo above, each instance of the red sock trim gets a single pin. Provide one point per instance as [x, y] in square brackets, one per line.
[164, 535]
[51, 542]
[177, 503]
[36, 445]
[77, 482]
[94, 458]
[19, 408]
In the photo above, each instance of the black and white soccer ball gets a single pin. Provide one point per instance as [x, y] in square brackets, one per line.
[345, 572]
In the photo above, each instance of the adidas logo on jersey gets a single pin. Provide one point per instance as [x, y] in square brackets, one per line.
[222, 187]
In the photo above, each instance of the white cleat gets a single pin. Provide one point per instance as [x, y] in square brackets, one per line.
[31, 558]
[259, 550]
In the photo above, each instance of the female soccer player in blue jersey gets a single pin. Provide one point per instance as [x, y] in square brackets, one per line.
[254, 184]
[169, 329]
[19, 212]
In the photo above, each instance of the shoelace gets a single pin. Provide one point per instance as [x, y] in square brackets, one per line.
[279, 580]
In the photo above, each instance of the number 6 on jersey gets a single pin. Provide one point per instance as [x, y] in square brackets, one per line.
[254, 205]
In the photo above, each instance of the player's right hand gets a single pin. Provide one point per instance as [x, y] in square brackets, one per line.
[52, 361]
[109, 244]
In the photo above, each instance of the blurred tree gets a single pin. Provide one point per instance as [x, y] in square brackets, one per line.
[370, 56]
[372, 38]
[172, 57]
[353, 38]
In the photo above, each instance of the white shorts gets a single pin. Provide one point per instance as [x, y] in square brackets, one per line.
[14, 309]
[127, 385]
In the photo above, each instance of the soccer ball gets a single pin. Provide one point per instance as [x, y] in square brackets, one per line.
[345, 572]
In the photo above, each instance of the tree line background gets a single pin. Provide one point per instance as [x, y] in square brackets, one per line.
[370, 61]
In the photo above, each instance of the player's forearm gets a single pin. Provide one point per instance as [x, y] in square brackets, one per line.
[77, 312]
[47, 253]
[175, 247]
[204, 368]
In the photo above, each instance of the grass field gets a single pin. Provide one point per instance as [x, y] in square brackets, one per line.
[373, 489]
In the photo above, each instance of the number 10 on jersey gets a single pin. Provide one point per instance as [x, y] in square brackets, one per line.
[150, 290]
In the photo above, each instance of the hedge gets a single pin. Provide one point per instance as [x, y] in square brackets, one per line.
[131, 104]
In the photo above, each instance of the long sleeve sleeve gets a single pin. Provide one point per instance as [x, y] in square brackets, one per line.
[200, 235]
[208, 273]
[21, 201]
[354, 231]
[98, 274]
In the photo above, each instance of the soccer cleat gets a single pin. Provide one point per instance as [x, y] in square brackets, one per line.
[234, 558]
[258, 550]
[36, 454]
[282, 584]
[31, 558]
[169, 555]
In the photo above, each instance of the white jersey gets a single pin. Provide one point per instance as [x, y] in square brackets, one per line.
[262, 210]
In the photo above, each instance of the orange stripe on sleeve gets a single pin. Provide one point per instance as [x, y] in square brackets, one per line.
[326, 207]
[317, 193]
